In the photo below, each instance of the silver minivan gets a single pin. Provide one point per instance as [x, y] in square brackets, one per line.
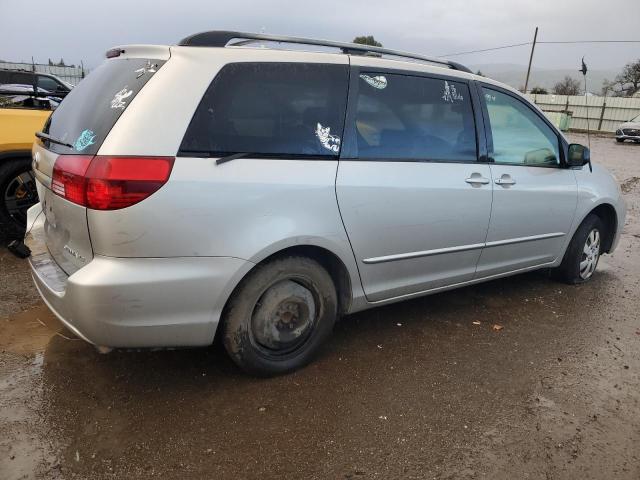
[230, 185]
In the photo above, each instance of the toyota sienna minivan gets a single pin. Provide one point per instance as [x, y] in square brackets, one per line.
[229, 185]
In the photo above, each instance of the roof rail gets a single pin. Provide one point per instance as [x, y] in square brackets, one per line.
[221, 38]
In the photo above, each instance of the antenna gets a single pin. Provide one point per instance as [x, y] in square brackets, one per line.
[583, 69]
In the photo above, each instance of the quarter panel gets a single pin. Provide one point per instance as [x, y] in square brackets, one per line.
[246, 208]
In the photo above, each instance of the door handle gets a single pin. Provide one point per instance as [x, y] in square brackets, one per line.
[505, 180]
[477, 179]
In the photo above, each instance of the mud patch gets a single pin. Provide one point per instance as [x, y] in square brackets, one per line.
[630, 184]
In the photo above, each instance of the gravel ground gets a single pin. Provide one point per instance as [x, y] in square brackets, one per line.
[412, 390]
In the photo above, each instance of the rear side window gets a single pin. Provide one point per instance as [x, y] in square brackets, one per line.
[21, 78]
[271, 110]
[89, 111]
[414, 118]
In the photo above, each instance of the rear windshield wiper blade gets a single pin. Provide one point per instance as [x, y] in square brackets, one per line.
[49, 138]
[233, 156]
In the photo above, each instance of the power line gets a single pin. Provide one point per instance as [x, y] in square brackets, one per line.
[539, 41]
[595, 41]
[484, 50]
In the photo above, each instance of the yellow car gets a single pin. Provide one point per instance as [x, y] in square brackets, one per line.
[22, 114]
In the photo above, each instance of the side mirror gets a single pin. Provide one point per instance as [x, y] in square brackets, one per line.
[579, 155]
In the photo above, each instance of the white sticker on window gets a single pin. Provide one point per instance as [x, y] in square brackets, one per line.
[149, 67]
[379, 81]
[328, 141]
[451, 94]
[119, 97]
[489, 98]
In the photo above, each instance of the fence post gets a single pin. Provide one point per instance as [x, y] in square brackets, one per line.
[566, 108]
[604, 106]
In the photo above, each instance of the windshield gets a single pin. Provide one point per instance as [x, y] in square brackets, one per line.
[636, 119]
[91, 109]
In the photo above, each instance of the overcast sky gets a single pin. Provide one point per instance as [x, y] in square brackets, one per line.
[84, 30]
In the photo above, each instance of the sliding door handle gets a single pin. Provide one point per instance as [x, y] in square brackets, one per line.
[505, 180]
[477, 179]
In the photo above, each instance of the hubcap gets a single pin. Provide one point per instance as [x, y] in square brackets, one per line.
[284, 317]
[590, 254]
[19, 196]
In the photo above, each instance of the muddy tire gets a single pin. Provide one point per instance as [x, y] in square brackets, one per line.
[582, 256]
[279, 316]
[17, 194]
[619, 140]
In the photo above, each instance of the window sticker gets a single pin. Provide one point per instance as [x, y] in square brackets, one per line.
[379, 81]
[451, 94]
[328, 141]
[149, 67]
[86, 138]
[119, 97]
[489, 98]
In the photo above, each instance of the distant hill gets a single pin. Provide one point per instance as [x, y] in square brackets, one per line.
[514, 75]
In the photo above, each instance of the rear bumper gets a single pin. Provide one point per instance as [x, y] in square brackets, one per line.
[136, 302]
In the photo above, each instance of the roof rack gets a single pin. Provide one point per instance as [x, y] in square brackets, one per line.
[221, 38]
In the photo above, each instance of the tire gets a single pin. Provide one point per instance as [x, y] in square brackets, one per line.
[279, 316]
[15, 197]
[588, 238]
[619, 140]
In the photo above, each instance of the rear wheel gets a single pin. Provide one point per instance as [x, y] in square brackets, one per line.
[17, 194]
[582, 255]
[280, 315]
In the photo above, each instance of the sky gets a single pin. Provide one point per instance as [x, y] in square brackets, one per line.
[76, 30]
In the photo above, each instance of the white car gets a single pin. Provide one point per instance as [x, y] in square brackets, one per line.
[629, 130]
[258, 193]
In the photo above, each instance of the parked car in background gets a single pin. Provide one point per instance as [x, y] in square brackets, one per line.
[26, 101]
[273, 190]
[629, 130]
[44, 81]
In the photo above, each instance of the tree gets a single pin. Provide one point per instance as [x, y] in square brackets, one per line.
[367, 40]
[628, 80]
[479, 73]
[568, 86]
[539, 90]
[61, 63]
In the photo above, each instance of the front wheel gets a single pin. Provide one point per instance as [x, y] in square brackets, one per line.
[280, 315]
[582, 256]
[619, 140]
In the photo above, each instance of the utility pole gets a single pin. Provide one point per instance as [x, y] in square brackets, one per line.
[533, 47]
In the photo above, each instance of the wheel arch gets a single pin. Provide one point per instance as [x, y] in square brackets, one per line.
[331, 261]
[607, 213]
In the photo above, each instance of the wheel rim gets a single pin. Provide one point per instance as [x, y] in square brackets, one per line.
[590, 254]
[19, 196]
[284, 317]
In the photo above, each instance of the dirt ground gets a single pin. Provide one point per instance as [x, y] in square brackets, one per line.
[412, 390]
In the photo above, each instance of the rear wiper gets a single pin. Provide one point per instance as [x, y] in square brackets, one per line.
[49, 138]
[233, 156]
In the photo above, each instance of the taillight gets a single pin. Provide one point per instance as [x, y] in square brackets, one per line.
[109, 183]
[68, 177]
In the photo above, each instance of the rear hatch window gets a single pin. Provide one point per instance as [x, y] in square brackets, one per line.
[88, 113]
